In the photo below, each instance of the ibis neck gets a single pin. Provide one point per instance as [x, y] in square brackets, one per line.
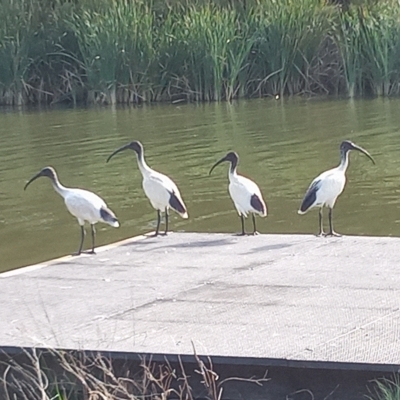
[58, 187]
[144, 168]
[344, 161]
[232, 169]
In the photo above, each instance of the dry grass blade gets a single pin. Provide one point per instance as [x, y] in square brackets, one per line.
[66, 375]
[309, 392]
[210, 378]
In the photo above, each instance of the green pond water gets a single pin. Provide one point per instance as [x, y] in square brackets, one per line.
[282, 145]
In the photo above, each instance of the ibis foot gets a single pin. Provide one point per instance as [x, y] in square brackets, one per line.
[321, 234]
[241, 234]
[332, 234]
[89, 252]
[78, 253]
[255, 233]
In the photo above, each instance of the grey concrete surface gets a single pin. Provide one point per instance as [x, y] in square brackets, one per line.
[282, 297]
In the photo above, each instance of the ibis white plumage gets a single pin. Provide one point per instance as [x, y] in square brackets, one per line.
[159, 188]
[245, 193]
[326, 187]
[82, 204]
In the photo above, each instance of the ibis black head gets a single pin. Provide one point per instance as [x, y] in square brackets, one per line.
[231, 157]
[46, 171]
[347, 145]
[136, 146]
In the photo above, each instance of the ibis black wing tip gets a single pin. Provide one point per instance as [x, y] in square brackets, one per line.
[303, 208]
[109, 217]
[258, 204]
[310, 197]
[176, 204]
[308, 201]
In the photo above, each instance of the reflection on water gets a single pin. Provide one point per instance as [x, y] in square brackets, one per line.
[282, 146]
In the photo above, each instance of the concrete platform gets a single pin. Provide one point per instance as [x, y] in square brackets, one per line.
[280, 300]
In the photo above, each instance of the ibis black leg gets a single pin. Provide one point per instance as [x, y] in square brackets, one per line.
[321, 225]
[158, 223]
[93, 238]
[243, 232]
[331, 231]
[166, 221]
[81, 244]
[254, 225]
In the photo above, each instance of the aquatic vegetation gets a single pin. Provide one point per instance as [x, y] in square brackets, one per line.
[369, 42]
[289, 34]
[125, 51]
[18, 31]
[214, 45]
[380, 40]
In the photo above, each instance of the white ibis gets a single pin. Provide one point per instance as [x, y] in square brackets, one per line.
[82, 204]
[159, 188]
[326, 188]
[245, 194]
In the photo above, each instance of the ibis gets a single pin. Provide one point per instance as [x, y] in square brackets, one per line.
[326, 188]
[245, 193]
[82, 204]
[159, 188]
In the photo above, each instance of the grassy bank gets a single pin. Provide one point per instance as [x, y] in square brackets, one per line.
[129, 51]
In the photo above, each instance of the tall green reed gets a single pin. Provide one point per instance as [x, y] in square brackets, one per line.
[380, 41]
[125, 51]
[207, 51]
[115, 41]
[347, 34]
[30, 37]
[368, 38]
[96, 28]
[138, 67]
[19, 30]
[205, 35]
[289, 34]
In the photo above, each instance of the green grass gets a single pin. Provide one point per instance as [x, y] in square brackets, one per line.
[386, 389]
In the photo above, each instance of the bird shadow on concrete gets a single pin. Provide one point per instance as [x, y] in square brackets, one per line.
[189, 244]
[268, 247]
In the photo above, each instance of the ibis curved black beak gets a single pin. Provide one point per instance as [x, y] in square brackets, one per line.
[38, 175]
[217, 163]
[125, 147]
[360, 149]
